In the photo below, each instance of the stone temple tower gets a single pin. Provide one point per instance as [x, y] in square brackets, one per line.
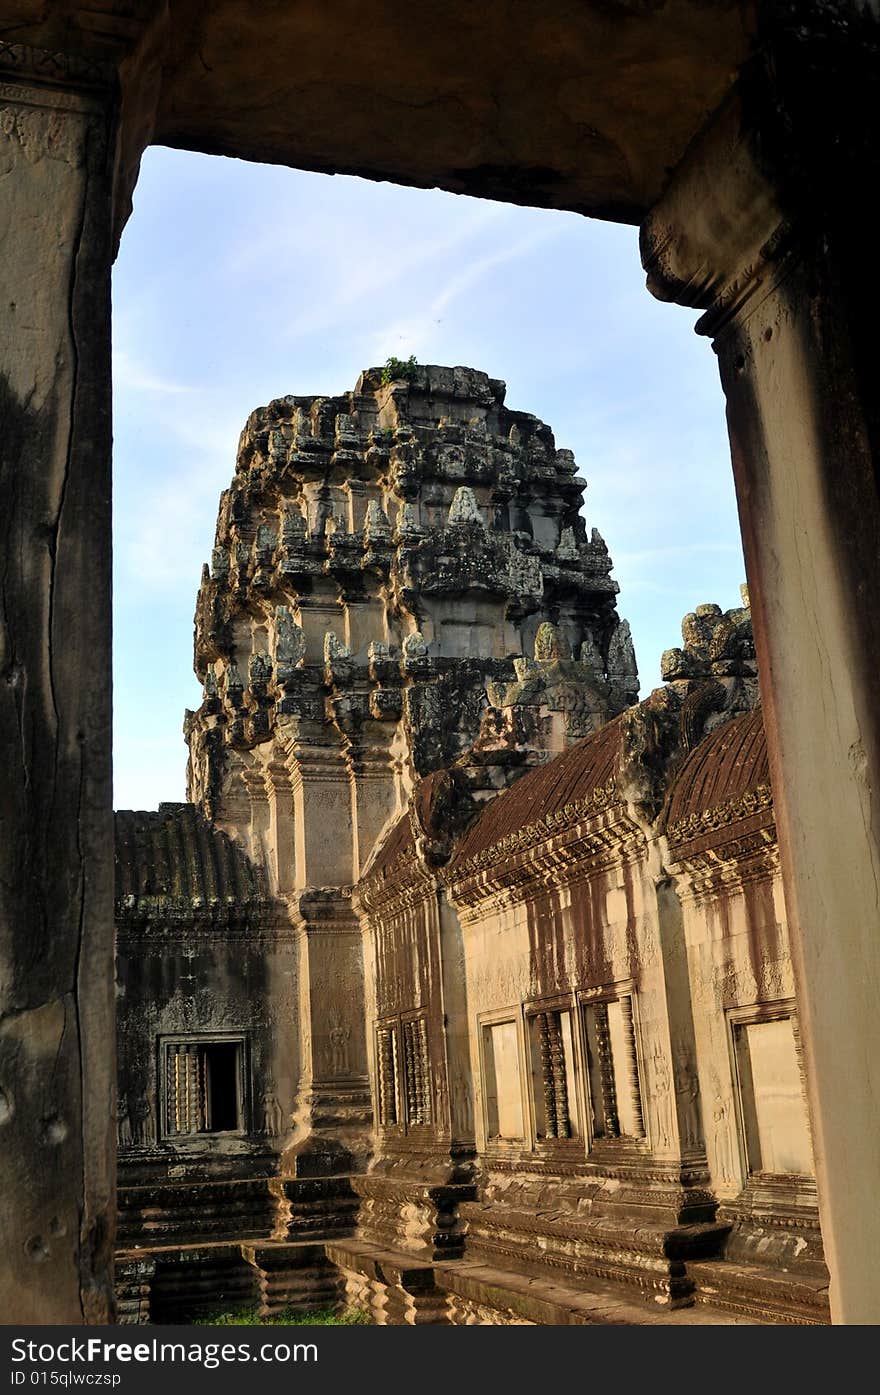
[402, 583]
[388, 565]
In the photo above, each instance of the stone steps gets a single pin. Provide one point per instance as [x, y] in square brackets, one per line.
[194, 1212]
[398, 1288]
[650, 1259]
[221, 1209]
[478, 1292]
[762, 1293]
[180, 1283]
[189, 1282]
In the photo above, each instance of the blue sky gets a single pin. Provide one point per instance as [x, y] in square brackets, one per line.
[238, 283]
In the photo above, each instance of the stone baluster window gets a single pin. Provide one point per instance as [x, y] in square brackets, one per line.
[403, 1073]
[613, 1068]
[202, 1087]
[386, 1053]
[554, 1075]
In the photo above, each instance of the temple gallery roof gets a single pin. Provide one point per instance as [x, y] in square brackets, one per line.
[728, 763]
[721, 785]
[574, 777]
[724, 782]
[174, 853]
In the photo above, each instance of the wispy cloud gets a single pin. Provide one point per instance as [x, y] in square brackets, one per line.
[129, 375]
[384, 250]
[412, 333]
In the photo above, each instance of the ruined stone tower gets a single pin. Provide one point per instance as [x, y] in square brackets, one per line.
[390, 564]
[402, 583]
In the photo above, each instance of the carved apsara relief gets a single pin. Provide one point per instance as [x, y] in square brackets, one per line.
[39, 132]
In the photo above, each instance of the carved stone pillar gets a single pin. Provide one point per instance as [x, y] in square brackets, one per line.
[765, 226]
[374, 792]
[57, 1111]
[282, 826]
[332, 1114]
[332, 1109]
[324, 837]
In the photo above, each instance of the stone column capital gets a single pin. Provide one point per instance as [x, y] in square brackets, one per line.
[714, 237]
[112, 60]
[783, 171]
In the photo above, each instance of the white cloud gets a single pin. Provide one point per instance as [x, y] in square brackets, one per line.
[131, 376]
[416, 333]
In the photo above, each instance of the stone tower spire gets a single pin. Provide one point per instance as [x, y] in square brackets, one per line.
[388, 565]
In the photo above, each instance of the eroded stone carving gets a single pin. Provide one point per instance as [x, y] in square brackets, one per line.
[475, 599]
[711, 679]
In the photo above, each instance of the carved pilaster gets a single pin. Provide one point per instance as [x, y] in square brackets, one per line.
[322, 813]
[282, 828]
[375, 787]
[332, 1115]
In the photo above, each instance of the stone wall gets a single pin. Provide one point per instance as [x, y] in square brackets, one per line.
[634, 1066]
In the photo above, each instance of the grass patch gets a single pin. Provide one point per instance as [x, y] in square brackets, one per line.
[249, 1317]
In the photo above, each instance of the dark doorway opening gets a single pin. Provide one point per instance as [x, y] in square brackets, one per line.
[221, 1071]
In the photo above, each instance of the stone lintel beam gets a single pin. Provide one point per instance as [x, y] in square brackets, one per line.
[764, 226]
[57, 1060]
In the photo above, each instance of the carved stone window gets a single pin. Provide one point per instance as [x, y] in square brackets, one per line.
[613, 1067]
[403, 1073]
[203, 1086]
[772, 1102]
[502, 1082]
[551, 1036]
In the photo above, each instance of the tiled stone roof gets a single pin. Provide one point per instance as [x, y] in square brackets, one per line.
[174, 853]
[724, 781]
[573, 779]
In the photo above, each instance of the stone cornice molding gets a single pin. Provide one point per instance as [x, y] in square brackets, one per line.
[564, 847]
[532, 835]
[696, 827]
[404, 884]
[578, 851]
[717, 872]
[146, 919]
[317, 910]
